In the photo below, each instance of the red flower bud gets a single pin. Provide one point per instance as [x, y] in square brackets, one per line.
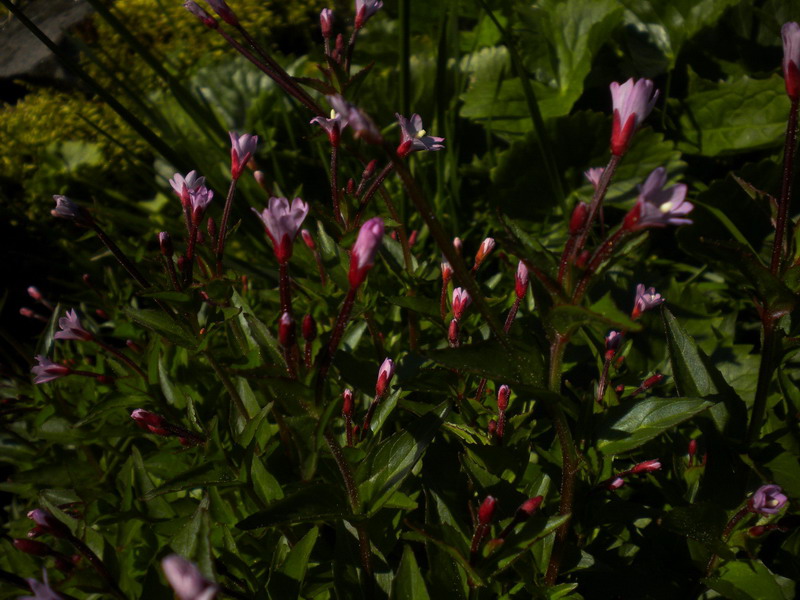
[286, 330]
[385, 375]
[530, 506]
[47, 523]
[309, 328]
[647, 466]
[347, 405]
[165, 242]
[31, 547]
[452, 333]
[502, 397]
[486, 511]
[578, 219]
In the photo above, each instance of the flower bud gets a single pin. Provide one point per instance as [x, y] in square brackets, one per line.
[150, 421]
[502, 397]
[133, 346]
[369, 170]
[447, 271]
[326, 22]
[485, 249]
[492, 428]
[67, 209]
[309, 328]
[647, 466]
[347, 404]
[692, 451]
[385, 375]
[613, 342]
[452, 333]
[351, 187]
[461, 301]
[48, 523]
[790, 33]
[198, 12]
[412, 239]
[530, 506]
[578, 219]
[34, 293]
[31, 547]
[616, 483]
[362, 256]
[521, 280]
[165, 243]
[286, 330]
[486, 511]
[224, 11]
[308, 240]
[583, 259]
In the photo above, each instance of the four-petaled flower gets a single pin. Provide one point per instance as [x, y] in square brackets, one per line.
[461, 300]
[645, 300]
[365, 9]
[385, 375]
[47, 370]
[71, 328]
[184, 185]
[242, 149]
[657, 207]
[187, 580]
[632, 102]
[282, 222]
[414, 137]
[362, 126]
[333, 126]
[790, 33]
[767, 500]
[362, 256]
[199, 199]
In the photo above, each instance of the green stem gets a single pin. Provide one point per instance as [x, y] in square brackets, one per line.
[765, 370]
[223, 226]
[229, 387]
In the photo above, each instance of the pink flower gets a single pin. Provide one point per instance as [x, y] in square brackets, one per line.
[522, 278]
[282, 222]
[198, 12]
[790, 32]
[42, 591]
[71, 328]
[242, 150]
[365, 9]
[224, 11]
[47, 370]
[326, 22]
[359, 122]
[333, 126]
[67, 209]
[594, 175]
[645, 300]
[362, 256]
[647, 466]
[199, 199]
[461, 301]
[150, 421]
[767, 500]
[414, 137]
[385, 375]
[632, 102]
[613, 341]
[657, 207]
[186, 579]
[184, 185]
[487, 509]
[503, 393]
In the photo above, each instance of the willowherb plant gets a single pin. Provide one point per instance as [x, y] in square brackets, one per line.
[523, 457]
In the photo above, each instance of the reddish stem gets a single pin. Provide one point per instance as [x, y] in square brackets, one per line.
[223, 226]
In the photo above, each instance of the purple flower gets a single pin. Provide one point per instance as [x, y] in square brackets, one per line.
[414, 136]
[224, 11]
[198, 12]
[242, 149]
[48, 523]
[657, 207]
[362, 256]
[282, 222]
[184, 185]
[199, 199]
[632, 102]
[613, 341]
[767, 500]
[42, 591]
[332, 126]
[359, 122]
[385, 374]
[47, 370]
[365, 9]
[326, 22]
[522, 278]
[187, 581]
[645, 300]
[71, 328]
[461, 301]
[593, 175]
[67, 209]
[790, 32]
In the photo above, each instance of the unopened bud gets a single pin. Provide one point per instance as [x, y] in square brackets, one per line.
[165, 242]
[286, 330]
[31, 547]
[486, 511]
[224, 11]
[347, 404]
[105, 379]
[503, 394]
[308, 240]
[101, 313]
[578, 219]
[447, 271]
[613, 342]
[458, 245]
[461, 301]
[27, 312]
[385, 375]
[369, 170]
[351, 187]
[34, 293]
[86, 279]
[198, 12]
[616, 483]
[492, 428]
[452, 333]
[647, 466]
[692, 450]
[530, 506]
[583, 259]
[133, 346]
[261, 179]
[326, 22]
[521, 280]
[486, 248]
[412, 239]
[309, 328]
[48, 523]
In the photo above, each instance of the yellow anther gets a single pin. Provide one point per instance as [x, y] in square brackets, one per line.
[421, 133]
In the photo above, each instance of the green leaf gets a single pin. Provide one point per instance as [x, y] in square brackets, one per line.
[672, 23]
[160, 323]
[157, 507]
[265, 485]
[695, 375]
[208, 474]
[702, 522]
[316, 502]
[287, 581]
[631, 424]
[408, 583]
[521, 364]
[727, 117]
[567, 317]
[750, 580]
[389, 463]
[193, 540]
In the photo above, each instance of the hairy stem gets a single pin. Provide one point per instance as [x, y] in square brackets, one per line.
[223, 226]
[779, 252]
